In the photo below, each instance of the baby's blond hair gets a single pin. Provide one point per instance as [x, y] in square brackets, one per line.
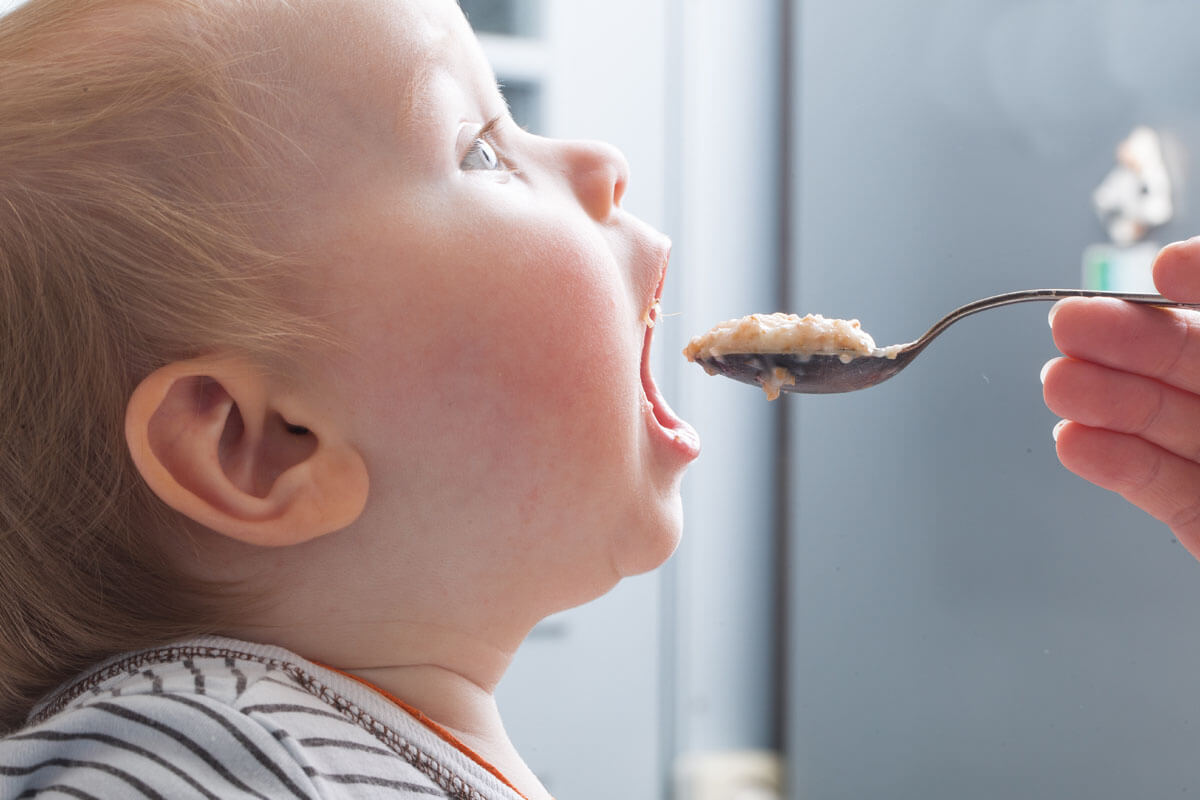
[137, 181]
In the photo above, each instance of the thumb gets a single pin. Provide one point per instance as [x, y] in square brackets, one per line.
[1177, 271]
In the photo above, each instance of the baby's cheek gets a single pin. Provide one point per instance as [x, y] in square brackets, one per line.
[568, 356]
[507, 360]
[564, 401]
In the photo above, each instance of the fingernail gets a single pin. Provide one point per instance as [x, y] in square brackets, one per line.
[1045, 369]
[1053, 311]
[1062, 423]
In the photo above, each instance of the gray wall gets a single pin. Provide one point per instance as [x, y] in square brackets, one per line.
[968, 619]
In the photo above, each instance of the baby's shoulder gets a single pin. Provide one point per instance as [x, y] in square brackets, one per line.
[205, 719]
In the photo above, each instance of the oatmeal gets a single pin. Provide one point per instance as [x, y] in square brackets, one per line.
[809, 335]
[774, 382]
[786, 334]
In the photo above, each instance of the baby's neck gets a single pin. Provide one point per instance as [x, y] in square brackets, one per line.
[454, 701]
[465, 709]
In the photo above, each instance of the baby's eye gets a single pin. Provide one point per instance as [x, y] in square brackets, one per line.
[482, 156]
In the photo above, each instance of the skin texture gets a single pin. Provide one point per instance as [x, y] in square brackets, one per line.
[486, 423]
[1128, 389]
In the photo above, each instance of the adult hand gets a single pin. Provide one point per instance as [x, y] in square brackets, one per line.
[1128, 390]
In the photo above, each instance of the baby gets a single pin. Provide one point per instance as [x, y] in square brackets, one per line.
[322, 382]
[1129, 390]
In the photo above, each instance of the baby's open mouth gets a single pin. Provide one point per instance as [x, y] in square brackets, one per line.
[676, 428]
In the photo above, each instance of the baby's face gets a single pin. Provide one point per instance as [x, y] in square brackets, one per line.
[494, 299]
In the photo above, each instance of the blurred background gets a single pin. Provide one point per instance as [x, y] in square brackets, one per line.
[897, 593]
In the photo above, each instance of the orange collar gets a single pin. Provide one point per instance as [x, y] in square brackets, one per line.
[442, 733]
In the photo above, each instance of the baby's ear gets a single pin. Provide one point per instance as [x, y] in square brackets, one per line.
[220, 442]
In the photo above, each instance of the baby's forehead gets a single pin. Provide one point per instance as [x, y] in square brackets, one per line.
[373, 41]
[378, 66]
[350, 62]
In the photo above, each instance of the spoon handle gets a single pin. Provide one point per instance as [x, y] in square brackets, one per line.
[1030, 295]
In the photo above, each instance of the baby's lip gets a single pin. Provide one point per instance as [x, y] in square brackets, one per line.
[651, 316]
[664, 258]
[679, 432]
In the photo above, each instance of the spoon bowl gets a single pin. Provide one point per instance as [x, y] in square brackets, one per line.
[815, 374]
[822, 373]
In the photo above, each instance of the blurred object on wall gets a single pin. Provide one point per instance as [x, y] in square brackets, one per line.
[1113, 268]
[1134, 198]
[1136, 195]
[729, 775]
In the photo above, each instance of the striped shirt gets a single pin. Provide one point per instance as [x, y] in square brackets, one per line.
[219, 718]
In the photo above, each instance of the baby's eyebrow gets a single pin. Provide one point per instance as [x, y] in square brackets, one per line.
[410, 90]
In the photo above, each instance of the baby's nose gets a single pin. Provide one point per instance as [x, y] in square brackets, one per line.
[599, 173]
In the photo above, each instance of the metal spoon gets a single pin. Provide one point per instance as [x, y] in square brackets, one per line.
[828, 374]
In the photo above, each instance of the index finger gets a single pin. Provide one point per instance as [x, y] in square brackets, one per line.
[1160, 343]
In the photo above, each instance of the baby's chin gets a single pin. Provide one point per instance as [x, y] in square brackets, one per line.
[650, 544]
